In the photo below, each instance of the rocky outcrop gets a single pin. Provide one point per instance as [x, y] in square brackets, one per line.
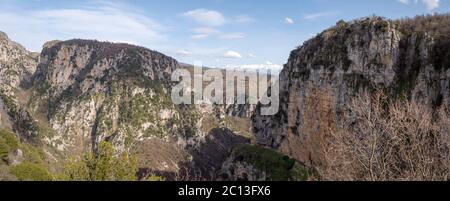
[93, 91]
[5, 122]
[17, 65]
[405, 58]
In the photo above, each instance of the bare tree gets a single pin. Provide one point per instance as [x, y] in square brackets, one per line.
[380, 139]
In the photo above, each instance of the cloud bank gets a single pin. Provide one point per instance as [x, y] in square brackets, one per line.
[103, 22]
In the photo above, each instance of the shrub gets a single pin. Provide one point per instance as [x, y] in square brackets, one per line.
[104, 165]
[31, 172]
[155, 178]
[8, 143]
[384, 140]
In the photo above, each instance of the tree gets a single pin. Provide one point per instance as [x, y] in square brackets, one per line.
[104, 165]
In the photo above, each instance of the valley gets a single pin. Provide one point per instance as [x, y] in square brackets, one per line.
[80, 100]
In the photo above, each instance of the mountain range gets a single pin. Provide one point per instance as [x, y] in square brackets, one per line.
[65, 101]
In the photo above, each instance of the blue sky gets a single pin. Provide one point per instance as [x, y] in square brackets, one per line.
[219, 33]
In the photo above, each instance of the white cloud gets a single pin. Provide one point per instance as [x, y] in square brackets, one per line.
[430, 4]
[205, 30]
[318, 15]
[212, 19]
[103, 22]
[243, 19]
[184, 53]
[251, 55]
[206, 17]
[232, 54]
[288, 20]
[202, 33]
[200, 36]
[232, 36]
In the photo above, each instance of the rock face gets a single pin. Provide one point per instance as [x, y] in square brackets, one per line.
[5, 123]
[17, 65]
[78, 93]
[406, 57]
[92, 91]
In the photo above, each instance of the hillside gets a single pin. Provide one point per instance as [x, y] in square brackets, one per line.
[84, 92]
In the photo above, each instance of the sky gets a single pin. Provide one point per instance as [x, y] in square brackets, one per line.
[217, 33]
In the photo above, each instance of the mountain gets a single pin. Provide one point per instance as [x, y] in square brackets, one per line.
[18, 64]
[78, 93]
[406, 58]
[66, 101]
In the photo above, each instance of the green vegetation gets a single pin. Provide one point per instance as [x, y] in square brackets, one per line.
[277, 166]
[32, 154]
[155, 178]
[31, 172]
[22, 118]
[8, 143]
[33, 166]
[104, 165]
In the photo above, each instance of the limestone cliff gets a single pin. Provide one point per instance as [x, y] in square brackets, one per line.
[403, 57]
[17, 66]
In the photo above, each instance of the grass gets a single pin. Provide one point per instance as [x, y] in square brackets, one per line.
[8, 143]
[31, 172]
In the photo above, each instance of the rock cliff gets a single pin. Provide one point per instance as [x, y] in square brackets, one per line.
[78, 93]
[406, 58]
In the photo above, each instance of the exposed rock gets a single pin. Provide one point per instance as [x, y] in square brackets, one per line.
[365, 54]
[5, 122]
[93, 91]
[15, 157]
[17, 65]
[77, 93]
[85, 92]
